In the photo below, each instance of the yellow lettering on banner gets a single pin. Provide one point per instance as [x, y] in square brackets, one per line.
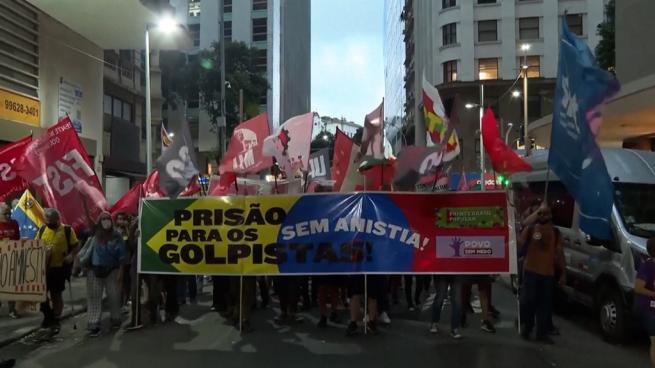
[19, 108]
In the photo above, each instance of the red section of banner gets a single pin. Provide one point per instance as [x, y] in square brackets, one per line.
[58, 167]
[423, 215]
[10, 182]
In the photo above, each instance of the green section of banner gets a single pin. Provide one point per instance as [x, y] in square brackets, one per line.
[155, 215]
[462, 217]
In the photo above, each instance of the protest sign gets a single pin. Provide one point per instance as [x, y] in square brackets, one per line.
[22, 270]
[329, 233]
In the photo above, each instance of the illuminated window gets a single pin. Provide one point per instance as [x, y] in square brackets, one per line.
[450, 71]
[487, 69]
[194, 8]
[534, 65]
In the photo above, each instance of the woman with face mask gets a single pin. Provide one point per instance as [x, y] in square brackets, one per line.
[103, 255]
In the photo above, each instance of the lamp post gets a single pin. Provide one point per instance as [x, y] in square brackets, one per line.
[480, 105]
[165, 25]
[524, 71]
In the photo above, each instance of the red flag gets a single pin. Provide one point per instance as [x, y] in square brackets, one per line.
[57, 165]
[151, 187]
[503, 159]
[10, 182]
[380, 176]
[372, 140]
[344, 164]
[244, 153]
[129, 203]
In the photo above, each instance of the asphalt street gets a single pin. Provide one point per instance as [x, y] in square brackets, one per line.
[202, 338]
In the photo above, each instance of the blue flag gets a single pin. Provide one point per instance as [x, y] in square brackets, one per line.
[582, 87]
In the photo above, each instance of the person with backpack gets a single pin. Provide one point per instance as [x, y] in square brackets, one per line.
[544, 251]
[62, 246]
[103, 254]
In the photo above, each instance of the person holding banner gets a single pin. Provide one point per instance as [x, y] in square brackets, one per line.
[9, 230]
[103, 254]
[63, 247]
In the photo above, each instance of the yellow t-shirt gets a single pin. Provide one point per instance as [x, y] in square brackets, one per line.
[57, 240]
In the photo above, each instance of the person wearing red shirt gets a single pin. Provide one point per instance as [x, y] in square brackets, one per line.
[9, 230]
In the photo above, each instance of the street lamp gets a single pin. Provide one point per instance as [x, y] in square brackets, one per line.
[171, 135]
[165, 25]
[509, 129]
[469, 106]
[524, 71]
[480, 105]
[325, 137]
[516, 93]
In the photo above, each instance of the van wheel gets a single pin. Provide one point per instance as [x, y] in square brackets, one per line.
[611, 312]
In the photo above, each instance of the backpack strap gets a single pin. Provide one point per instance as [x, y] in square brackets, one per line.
[39, 235]
[67, 231]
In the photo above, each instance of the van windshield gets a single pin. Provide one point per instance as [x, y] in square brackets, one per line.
[636, 204]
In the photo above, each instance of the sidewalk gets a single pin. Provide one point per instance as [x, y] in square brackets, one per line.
[15, 329]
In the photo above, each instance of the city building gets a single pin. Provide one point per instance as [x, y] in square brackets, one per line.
[57, 60]
[629, 117]
[461, 45]
[329, 124]
[279, 29]
[394, 73]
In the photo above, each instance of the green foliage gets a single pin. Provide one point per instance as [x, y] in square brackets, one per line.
[605, 50]
[200, 77]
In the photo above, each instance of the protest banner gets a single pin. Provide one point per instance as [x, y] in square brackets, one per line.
[331, 233]
[22, 270]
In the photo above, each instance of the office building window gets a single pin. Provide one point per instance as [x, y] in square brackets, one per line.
[529, 28]
[194, 8]
[106, 104]
[227, 30]
[259, 4]
[227, 6]
[574, 21]
[194, 31]
[448, 3]
[449, 34]
[534, 65]
[127, 111]
[259, 29]
[261, 60]
[487, 69]
[487, 30]
[450, 71]
[486, 1]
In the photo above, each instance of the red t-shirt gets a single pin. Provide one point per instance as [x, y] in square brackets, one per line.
[9, 230]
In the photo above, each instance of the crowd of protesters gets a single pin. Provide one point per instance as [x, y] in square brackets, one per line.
[106, 254]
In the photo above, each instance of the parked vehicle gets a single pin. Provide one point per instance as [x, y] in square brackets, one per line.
[600, 273]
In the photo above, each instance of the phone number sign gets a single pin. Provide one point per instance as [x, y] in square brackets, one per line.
[19, 108]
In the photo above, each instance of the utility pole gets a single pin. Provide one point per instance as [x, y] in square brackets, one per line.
[222, 129]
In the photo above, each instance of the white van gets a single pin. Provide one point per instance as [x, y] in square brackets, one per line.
[601, 274]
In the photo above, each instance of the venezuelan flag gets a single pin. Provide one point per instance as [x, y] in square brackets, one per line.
[29, 215]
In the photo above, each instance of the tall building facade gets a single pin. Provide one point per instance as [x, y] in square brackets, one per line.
[461, 45]
[394, 73]
[278, 29]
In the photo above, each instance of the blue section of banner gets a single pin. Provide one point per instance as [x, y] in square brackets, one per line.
[368, 223]
[574, 155]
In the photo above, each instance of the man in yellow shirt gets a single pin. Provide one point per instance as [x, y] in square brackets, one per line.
[62, 247]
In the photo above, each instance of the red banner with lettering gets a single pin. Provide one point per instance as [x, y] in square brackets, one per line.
[10, 182]
[58, 167]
